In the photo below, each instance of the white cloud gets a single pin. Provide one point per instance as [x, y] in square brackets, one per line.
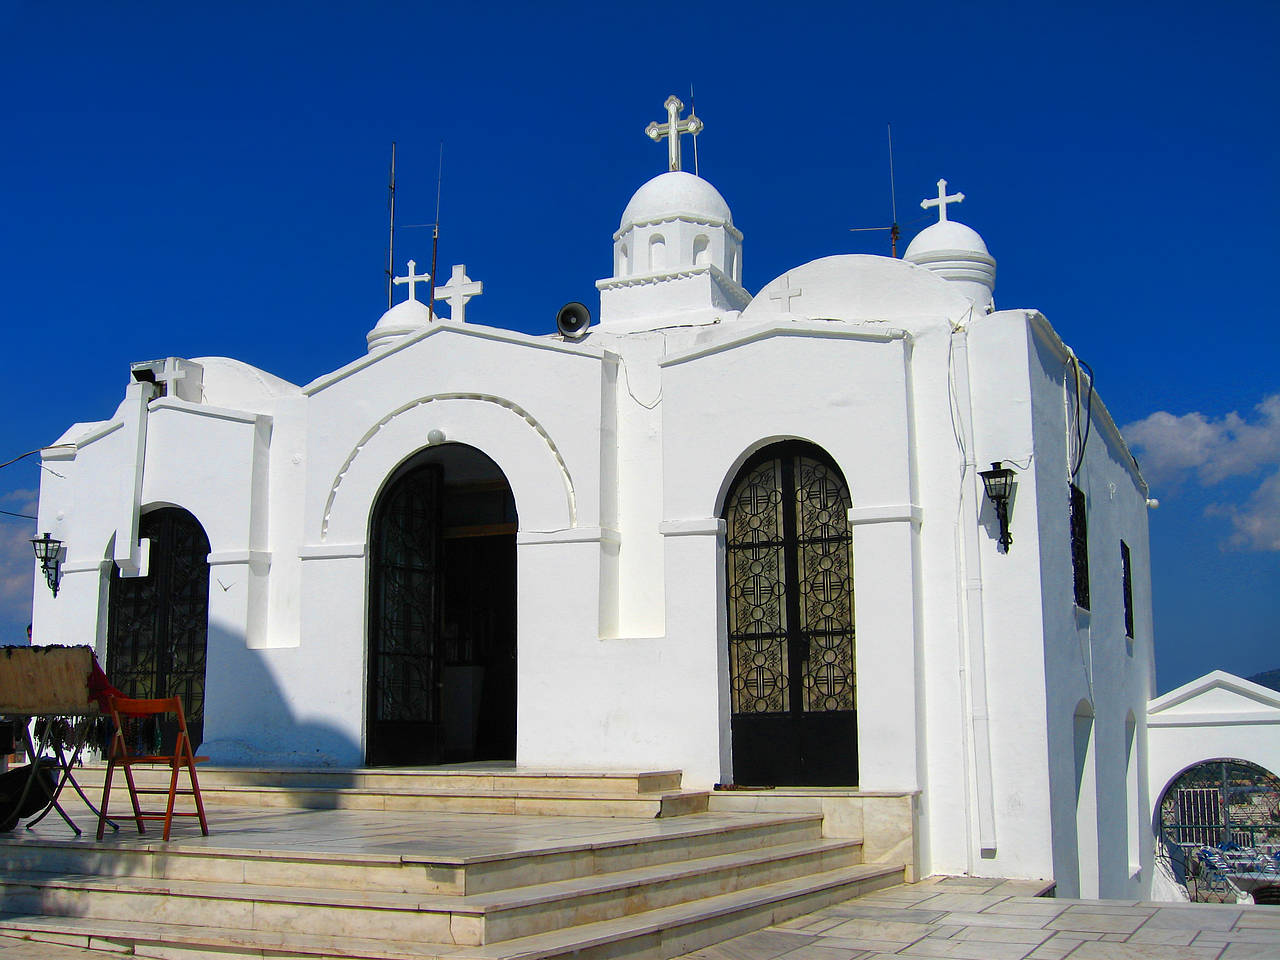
[1257, 523]
[1172, 449]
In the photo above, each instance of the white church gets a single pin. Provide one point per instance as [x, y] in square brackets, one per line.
[742, 536]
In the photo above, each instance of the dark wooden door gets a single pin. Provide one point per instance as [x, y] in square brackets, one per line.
[404, 622]
[158, 625]
[789, 593]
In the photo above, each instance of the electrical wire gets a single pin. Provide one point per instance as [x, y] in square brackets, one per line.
[24, 516]
[1081, 439]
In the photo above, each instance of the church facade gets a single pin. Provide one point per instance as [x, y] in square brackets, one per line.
[741, 536]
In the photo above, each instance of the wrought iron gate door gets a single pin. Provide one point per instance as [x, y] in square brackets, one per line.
[158, 625]
[404, 622]
[789, 589]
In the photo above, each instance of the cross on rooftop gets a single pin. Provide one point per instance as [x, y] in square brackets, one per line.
[672, 130]
[411, 279]
[786, 295]
[458, 291]
[942, 201]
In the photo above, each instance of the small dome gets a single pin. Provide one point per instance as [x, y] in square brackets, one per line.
[956, 253]
[676, 194]
[400, 321]
[946, 235]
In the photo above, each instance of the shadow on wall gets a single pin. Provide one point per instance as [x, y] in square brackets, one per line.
[250, 722]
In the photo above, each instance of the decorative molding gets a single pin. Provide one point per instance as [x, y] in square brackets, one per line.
[442, 325]
[708, 527]
[570, 535]
[222, 557]
[682, 217]
[86, 566]
[789, 328]
[1253, 718]
[331, 551]
[893, 513]
[204, 410]
[435, 398]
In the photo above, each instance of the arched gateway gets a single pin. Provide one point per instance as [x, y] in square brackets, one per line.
[158, 625]
[789, 592]
[442, 612]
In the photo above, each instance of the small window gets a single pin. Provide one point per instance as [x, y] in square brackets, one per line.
[701, 251]
[1079, 547]
[1126, 572]
[657, 252]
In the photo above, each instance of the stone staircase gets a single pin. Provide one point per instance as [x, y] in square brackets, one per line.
[475, 788]
[529, 887]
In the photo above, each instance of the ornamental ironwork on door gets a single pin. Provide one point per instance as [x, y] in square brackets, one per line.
[404, 622]
[789, 590]
[158, 625]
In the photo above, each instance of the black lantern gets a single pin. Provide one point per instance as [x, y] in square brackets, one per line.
[49, 553]
[999, 483]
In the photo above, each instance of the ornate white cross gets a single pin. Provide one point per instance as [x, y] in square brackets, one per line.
[673, 128]
[786, 295]
[458, 291]
[942, 200]
[411, 279]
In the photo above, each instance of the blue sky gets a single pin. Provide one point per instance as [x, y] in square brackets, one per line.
[186, 179]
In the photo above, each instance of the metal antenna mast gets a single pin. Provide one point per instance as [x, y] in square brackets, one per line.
[894, 232]
[435, 234]
[893, 196]
[391, 240]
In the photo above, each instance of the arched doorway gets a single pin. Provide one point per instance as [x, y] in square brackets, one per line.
[442, 612]
[1215, 820]
[789, 596]
[158, 625]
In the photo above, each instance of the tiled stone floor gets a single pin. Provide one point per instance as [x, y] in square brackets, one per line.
[968, 919]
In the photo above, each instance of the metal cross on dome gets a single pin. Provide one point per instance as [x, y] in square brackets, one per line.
[458, 291]
[412, 279]
[672, 129]
[942, 201]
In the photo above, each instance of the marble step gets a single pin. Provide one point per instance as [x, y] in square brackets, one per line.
[474, 778]
[516, 792]
[684, 839]
[473, 920]
[654, 934]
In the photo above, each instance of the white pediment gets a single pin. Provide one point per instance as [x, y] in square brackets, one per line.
[1216, 695]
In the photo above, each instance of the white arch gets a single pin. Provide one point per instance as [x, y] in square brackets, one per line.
[500, 429]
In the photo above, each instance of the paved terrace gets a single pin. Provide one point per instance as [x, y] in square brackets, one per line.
[969, 919]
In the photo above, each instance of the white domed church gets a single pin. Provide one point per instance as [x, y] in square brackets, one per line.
[742, 536]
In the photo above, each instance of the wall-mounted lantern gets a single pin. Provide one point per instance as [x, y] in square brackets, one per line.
[49, 553]
[999, 484]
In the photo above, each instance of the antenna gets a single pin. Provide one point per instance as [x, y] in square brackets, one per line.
[894, 232]
[435, 231]
[893, 196]
[435, 234]
[391, 240]
[693, 112]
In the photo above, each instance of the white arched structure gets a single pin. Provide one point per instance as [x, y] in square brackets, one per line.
[1218, 716]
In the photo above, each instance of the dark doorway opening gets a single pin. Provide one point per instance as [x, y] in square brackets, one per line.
[442, 613]
[158, 625]
[789, 595]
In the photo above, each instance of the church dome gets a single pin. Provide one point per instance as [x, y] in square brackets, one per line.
[676, 194]
[946, 235]
[400, 321]
[956, 252]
